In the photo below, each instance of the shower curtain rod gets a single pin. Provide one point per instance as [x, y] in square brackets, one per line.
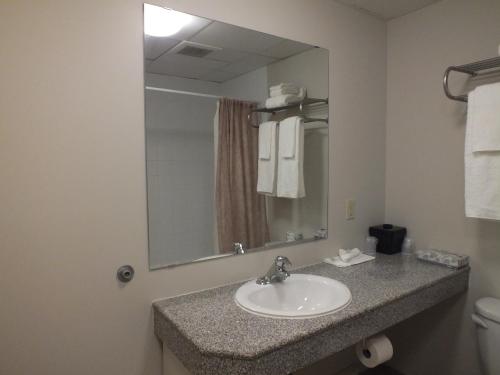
[182, 92]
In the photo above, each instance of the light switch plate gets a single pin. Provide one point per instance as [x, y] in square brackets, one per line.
[350, 208]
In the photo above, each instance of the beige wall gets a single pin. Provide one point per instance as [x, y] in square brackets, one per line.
[72, 172]
[425, 170]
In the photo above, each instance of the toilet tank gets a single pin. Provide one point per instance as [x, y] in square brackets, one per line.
[487, 319]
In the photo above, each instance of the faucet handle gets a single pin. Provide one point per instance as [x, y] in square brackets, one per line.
[282, 262]
[277, 272]
[238, 248]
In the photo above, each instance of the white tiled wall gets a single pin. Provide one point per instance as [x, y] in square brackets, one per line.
[180, 159]
[180, 163]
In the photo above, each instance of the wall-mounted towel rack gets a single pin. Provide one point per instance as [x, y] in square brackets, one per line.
[312, 119]
[307, 120]
[471, 69]
[299, 105]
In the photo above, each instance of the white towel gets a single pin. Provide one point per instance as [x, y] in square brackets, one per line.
[267, 165]
[283, 85]
[482, 172]
[284, 91]
[485, 103]
[339, 263]
[282, 100]
[288, 135]
[347, 255]
[290, 182]
[267, 132]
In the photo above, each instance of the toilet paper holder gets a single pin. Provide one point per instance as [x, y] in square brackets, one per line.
[374, 350]
[366, 351]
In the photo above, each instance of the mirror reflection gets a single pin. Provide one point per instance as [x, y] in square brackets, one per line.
[236, 139]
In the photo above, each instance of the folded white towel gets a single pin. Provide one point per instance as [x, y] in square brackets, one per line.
[482, 173]
[279, 101]
[266, 136]
[347, 255]
[283, 85]
[288, 135]
[267, 165]
[360, 258]
[284, 91]
[290, 182]
[485, 124]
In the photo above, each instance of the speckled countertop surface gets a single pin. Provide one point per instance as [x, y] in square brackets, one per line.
[385, 291]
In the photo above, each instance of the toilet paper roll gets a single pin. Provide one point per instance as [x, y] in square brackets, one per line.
[374, 351]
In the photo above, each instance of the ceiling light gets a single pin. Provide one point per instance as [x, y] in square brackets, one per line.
[159, 21]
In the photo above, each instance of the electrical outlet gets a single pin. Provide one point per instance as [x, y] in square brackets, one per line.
[350, 207]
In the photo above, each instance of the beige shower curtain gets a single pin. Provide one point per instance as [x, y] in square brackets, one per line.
[241, 212]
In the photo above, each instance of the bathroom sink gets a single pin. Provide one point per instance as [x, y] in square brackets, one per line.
[299, 296]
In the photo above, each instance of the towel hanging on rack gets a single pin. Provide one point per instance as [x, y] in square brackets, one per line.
[290, 183]
[484, 102]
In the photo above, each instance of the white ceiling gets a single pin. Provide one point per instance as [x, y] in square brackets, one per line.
[388, 9]
[239, 51]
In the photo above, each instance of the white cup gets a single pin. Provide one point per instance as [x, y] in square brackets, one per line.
[371, 245]
[408, 246]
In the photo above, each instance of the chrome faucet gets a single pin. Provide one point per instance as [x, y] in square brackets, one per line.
[238, 248]
[277, 272]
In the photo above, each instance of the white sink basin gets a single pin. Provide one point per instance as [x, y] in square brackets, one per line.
[299, 296]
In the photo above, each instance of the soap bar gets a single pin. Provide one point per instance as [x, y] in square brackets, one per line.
[390, 238]
[444, 258]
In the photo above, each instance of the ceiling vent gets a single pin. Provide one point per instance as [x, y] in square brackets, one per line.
[193, 49]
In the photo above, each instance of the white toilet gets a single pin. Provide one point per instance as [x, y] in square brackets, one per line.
[487, 319]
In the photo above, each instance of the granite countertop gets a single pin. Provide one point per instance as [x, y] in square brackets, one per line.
[210, 334]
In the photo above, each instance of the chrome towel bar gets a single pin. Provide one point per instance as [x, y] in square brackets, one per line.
[472, 70]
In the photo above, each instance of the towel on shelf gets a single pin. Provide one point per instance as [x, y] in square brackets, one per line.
[284, 91]
[290, 182]
[282, 100]
[283, 85]
[482, 168]
[485, 101]
[352, 257]
[267, 163]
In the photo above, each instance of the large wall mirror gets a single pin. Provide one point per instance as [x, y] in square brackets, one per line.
[236, 139]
